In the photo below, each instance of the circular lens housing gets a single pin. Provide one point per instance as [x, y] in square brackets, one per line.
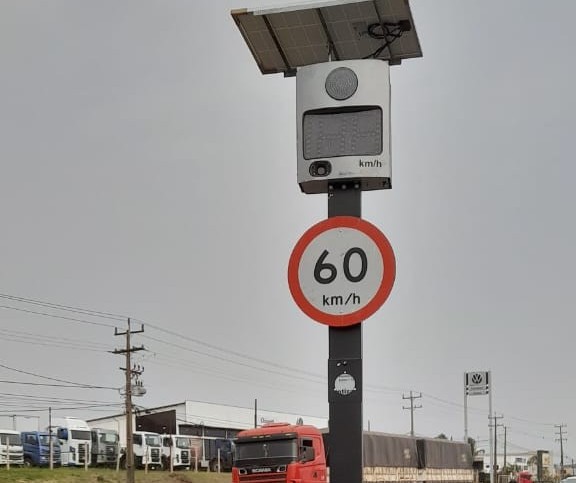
[341, 83]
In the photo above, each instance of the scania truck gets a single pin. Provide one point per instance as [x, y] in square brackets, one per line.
[283, 453]
[279, 452]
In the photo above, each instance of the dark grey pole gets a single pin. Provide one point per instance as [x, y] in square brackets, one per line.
[345, 354]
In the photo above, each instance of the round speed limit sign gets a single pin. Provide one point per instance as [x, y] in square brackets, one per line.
[341, 271]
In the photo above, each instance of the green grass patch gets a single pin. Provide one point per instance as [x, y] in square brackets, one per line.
[97, 475]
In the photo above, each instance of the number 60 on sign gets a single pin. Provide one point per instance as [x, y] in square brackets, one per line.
[341, 271]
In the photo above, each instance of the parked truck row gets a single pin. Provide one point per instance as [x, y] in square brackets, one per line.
[71, 442]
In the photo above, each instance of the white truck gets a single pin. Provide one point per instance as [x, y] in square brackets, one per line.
[74, 436]
[11, 450]
[147, 449]
[177, 452]
[105, 447]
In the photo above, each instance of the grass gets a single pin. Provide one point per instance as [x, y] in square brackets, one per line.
[97, 475]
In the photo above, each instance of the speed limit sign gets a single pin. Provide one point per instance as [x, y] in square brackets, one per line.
[341, 271]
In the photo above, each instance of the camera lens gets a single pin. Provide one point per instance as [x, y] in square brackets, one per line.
[320, 168]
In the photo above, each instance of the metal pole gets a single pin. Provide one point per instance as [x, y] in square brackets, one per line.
[465, 409]
[495, 448]
[492, 458]
[345, 350]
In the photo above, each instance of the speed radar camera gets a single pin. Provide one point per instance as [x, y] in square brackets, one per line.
[340, 52]
[343, 125]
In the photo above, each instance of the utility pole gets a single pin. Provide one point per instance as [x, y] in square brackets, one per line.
[130, 373]
[561, 439]
[494, 468]
[505, 441]
[50, 442]
[412, 409]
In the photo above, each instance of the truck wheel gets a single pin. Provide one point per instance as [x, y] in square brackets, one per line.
[27, 462]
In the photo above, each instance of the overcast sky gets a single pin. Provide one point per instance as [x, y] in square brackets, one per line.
[148, 170]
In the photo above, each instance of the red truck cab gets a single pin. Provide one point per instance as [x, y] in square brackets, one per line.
[279, 452]
[524, 477]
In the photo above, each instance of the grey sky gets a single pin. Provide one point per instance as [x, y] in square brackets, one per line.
[149, 170]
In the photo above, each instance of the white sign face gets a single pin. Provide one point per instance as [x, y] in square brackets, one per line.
[341, 271]
[477, 383]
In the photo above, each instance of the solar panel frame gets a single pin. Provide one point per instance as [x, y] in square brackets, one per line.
[283, 39]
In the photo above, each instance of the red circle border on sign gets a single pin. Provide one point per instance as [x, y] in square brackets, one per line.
[388, 277]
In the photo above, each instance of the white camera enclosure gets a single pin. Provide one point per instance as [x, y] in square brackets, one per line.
[343, 125]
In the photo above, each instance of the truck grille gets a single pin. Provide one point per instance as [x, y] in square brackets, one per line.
[155, 455]
[263, 478]
[81, 453]
[185, 457]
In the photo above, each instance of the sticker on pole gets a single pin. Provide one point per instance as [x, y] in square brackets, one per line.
[341, 271]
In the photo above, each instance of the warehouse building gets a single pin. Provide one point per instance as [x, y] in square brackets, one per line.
[203, 419]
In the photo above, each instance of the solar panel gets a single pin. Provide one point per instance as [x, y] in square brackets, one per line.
[283, 39]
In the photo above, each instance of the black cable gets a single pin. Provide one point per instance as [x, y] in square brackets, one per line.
[76, 384]
[68, 308]
[389, 35]
[55, 385]
[100, 324]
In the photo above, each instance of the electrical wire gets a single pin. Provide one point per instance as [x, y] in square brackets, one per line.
[71, 319]
[68, 308]
[75, 384]
[388, 35]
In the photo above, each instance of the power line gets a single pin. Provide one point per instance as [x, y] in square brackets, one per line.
[76, 384]
[317, 378]
[71, 319]
[68, 308]
[226, 351]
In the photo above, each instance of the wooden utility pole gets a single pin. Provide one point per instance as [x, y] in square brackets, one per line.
[130, 373]
[50, 442]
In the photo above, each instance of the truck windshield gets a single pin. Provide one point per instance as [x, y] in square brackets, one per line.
[80, 434]
[12, 439]
[285, 449]
[108, 438]
[182, 443]
[152, 440]
[45, 440]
